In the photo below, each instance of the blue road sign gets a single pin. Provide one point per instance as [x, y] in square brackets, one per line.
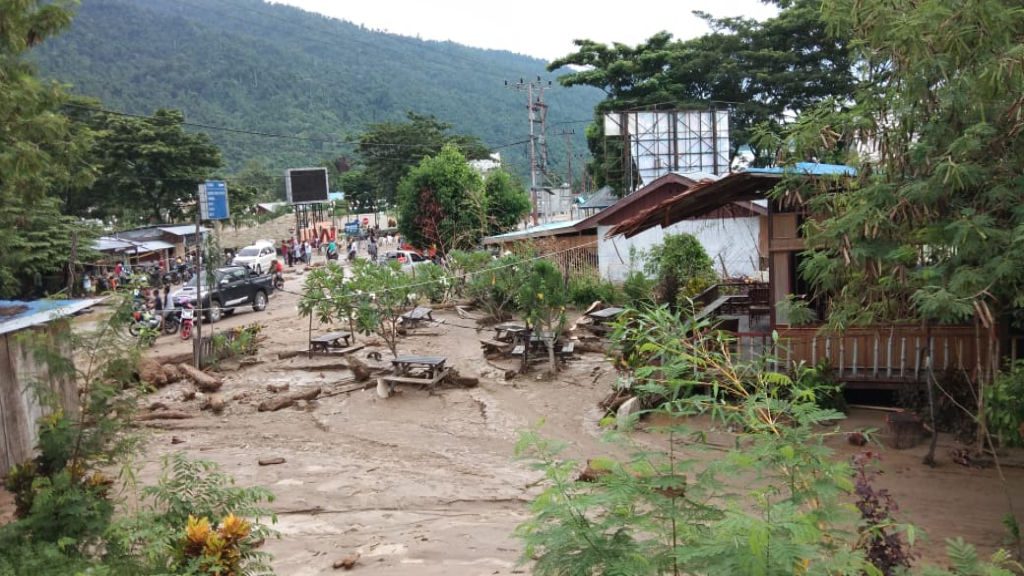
[214, 201]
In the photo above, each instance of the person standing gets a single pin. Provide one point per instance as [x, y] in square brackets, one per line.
[371, 249]
[307, 252]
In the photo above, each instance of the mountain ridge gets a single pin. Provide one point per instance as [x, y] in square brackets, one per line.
[250, 65]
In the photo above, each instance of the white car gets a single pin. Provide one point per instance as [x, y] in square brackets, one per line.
[406, 258]
[256, 257]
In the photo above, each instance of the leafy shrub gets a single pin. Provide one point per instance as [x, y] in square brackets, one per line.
[585, 290]
[681, 266]
[494, 287]
[881, 539]
[638, 290]
[432, 282]
[818, 384]
[1004, 406]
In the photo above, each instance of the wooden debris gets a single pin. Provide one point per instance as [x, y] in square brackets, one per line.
[157, 406]
[176, 440]
[276, 388]
[204, 381]
[215, 402]
[164, 415]
[271, 461]
[187, 395]
[348, 562]
[171, 373]
[360, 370]
[152, 372]
[275, 404]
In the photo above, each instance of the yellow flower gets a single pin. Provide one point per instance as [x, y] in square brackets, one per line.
[198, 530]
[234, 528]
[215, 546]
[540, 295]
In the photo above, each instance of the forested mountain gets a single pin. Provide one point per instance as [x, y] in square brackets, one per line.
[252, 66]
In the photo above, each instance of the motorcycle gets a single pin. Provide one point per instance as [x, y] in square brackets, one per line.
[143, 319]
[187, 315]
[278, 281]
[172, 321]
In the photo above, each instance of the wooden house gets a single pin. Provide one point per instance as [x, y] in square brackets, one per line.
[882, 356]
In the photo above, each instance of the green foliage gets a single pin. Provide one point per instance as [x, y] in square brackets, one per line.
[1004, 406]
[41, 155]
[432, 282]
[146, 167]
[540, 300]
[818, 384]
[383, 294]
[462, 265]
[759, 71]
[507, 201]
[585, 290]
[964, 561]
[638, 290]
[661, 512]
[251, 65]
[795, 311]
[494, 286]
[441, 203]
[682, 268]
[930, 227]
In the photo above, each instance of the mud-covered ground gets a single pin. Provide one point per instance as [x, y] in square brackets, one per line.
[425, 484]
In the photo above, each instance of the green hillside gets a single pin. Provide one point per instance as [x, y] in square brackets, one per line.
[253, 66]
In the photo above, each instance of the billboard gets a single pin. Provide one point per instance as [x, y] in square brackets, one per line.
[306, 185]
[659, 142]
[213, 200]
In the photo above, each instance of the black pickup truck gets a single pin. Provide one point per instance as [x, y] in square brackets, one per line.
[233, 286]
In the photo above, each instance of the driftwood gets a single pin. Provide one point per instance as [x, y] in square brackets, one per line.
[152, 372]
[277, 388]
[270, 461]
[215, 402]
[164, 415]
[275, 404]
[348, 562]
[171, 373]
[204, 381]
[352, 387]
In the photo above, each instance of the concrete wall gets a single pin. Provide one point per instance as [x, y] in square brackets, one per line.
[732, 240]
[22, 375]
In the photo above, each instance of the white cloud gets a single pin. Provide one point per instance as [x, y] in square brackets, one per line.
[544, 30]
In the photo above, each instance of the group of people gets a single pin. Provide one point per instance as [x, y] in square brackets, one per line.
[294, 251]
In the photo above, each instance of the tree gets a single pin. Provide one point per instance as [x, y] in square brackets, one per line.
[148, 167]
[507, 201]
[441, 203]
[389, 150]
[541, 301]
[40, 154]
[682, 268]
[931, 228]
[760, 71]
[360, 191]
[383, 294]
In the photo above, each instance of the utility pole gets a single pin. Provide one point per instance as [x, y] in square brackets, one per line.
[537, 115]
[568, 155]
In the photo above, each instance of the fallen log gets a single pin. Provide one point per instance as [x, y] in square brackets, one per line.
[275, 404]
[152, 373]
[204, 381]
[171, 373]
[270, 461]
[163, 415]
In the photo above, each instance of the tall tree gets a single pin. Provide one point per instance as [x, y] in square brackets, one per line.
[761, 72]
[40, 154]
[148, 166]
[933, 227]
[507, 201]
[441, 203]
[389, 150]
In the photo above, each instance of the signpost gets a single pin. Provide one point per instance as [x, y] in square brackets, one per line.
[212, 201]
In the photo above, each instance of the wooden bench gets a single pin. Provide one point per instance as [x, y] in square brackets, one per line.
[519, 350]
[330, 340]
[417, 315]
[493, 345]
[567, 349]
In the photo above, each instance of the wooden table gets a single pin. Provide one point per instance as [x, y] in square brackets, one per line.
[508, 331]
[431, 368]
[417, 315]
[330, 340]
[601, 319]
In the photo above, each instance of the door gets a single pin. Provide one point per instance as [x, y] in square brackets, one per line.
[234, 287]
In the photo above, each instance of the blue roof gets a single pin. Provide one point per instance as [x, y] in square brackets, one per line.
[809, 168]
[17, 315]
[539, 230]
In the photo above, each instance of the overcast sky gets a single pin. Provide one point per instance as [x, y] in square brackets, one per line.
[544, 29]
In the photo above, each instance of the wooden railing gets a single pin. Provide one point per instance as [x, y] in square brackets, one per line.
[889, 354]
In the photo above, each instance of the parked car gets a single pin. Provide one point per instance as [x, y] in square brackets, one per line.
[406, 258]
[257, 257]
[233, 286]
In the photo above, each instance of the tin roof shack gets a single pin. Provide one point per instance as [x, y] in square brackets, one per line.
[25, 375]
[569, 247]
[876, 357]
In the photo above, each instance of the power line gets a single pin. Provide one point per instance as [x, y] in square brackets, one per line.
[390, 145]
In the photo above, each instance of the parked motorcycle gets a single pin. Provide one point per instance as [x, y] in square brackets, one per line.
[172, 321]
[187, 315]
[143, 319]
[278, 281]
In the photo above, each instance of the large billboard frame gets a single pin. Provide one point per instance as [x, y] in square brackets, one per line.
[288, 185]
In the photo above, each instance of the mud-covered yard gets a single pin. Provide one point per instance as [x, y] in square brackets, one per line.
[427, 483]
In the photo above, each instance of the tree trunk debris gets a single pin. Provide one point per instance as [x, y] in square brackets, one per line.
[275, 404]
[204, 381]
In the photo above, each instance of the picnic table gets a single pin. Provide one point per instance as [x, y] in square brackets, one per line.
[330, 340]
[417, 315]
[426, 370]
[539, 345]
[602, 317]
